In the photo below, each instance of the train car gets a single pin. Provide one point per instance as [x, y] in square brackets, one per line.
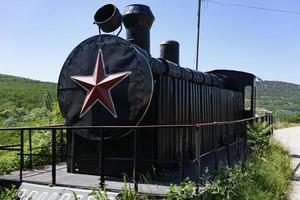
[111, 81]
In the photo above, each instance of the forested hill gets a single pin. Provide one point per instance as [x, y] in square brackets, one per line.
[26, 102]
[278, 96]
[23, 93]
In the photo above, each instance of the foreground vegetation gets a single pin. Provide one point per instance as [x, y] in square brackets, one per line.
[265, 176]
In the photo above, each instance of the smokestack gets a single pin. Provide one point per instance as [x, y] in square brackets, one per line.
[169, 50]
[138, 20]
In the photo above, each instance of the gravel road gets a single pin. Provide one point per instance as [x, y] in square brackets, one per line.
[290, 138]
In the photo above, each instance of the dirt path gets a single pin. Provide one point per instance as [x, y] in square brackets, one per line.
[290, 137]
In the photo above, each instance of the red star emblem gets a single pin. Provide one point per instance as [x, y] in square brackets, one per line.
[99, 85]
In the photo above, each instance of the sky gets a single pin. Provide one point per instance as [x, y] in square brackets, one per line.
[37, 36]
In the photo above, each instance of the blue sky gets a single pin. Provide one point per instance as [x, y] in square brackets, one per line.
[37, 36]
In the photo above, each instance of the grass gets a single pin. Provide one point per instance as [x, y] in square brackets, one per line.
[8, 193]
[265, 176]
[268, 176]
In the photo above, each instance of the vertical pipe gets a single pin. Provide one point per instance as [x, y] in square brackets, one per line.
[53, 156]
[30, 148]
[102, 184]
[135, 160]
[21, 154]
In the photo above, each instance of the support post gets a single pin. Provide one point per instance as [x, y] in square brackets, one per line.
[21, 154]
[61, 145]
[181, 155]
[197, 159]
[228, 145]
[102, 181]
[215, 148]
[53, 156]
[30, 148]
[135, 160]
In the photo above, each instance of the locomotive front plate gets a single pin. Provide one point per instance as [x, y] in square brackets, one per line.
[105, 81]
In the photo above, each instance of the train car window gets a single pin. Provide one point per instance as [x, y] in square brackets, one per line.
[247, 97]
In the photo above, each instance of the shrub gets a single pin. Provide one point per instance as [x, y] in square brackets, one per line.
[184, 191]
[259, 135]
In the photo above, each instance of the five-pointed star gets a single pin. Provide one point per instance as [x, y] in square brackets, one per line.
[99, 85]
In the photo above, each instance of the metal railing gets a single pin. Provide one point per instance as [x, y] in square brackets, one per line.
[58, 129]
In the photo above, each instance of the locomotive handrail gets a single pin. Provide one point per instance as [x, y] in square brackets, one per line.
[64, 127]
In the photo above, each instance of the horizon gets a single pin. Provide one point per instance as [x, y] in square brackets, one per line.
[45, 81]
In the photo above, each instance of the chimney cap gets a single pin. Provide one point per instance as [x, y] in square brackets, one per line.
[138, 15]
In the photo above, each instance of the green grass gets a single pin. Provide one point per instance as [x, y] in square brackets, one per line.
[269, 175]
[8, 193]
[265, 176]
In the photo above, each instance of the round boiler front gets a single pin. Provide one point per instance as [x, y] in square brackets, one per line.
[105, 81]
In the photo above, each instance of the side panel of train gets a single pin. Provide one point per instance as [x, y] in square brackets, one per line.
[174, 101]
[184, 102]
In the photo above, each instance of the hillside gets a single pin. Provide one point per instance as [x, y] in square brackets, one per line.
[278, 96]
[22, 92]
[23, 99]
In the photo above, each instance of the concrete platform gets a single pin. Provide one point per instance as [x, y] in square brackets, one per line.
[43, 177]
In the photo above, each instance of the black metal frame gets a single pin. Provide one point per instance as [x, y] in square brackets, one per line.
[136, 159]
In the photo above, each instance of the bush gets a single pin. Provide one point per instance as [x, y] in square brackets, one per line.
[184, 191]
[259, 135]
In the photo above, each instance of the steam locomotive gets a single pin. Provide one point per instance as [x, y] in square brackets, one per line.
[111, 81]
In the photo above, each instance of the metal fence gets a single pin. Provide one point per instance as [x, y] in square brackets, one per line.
[239, 143]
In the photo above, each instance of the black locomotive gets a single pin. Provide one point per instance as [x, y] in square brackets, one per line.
[110, 81]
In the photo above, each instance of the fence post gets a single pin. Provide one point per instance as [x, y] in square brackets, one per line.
[228, 145]
[21, 154]
[246, 140]
[135, 160]
[53, 156]
[61, 141]
[197, 159]
[30, 148]
[215, 148]
[238, 134]
[101, 166]
[272, 122]
[181, 155]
